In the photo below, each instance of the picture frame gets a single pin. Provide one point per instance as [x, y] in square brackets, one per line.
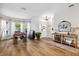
[64, 26]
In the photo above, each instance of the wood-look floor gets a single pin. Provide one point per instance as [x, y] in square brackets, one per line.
[44, 47]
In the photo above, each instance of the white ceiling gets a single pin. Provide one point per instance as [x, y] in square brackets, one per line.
[33, 9]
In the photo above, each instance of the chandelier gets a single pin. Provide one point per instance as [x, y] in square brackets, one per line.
[46, 18]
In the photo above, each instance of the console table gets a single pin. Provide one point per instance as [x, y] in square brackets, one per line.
[70, 40]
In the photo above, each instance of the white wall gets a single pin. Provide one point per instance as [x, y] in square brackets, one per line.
[35, 23]
[69, 14]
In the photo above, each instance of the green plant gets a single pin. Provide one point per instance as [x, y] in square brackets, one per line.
[17, 24]
[38, 34]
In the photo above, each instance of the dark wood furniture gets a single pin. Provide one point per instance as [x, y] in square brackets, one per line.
[31, 35]
[20, 35]
[15, 40]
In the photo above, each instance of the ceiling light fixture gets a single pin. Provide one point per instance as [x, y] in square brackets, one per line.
[71, 5]
[23, 8]
[46, 18]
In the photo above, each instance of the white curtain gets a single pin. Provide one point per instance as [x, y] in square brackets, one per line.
[12, 27]
[3, 28]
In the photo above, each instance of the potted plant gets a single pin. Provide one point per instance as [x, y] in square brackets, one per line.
[38, 34]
